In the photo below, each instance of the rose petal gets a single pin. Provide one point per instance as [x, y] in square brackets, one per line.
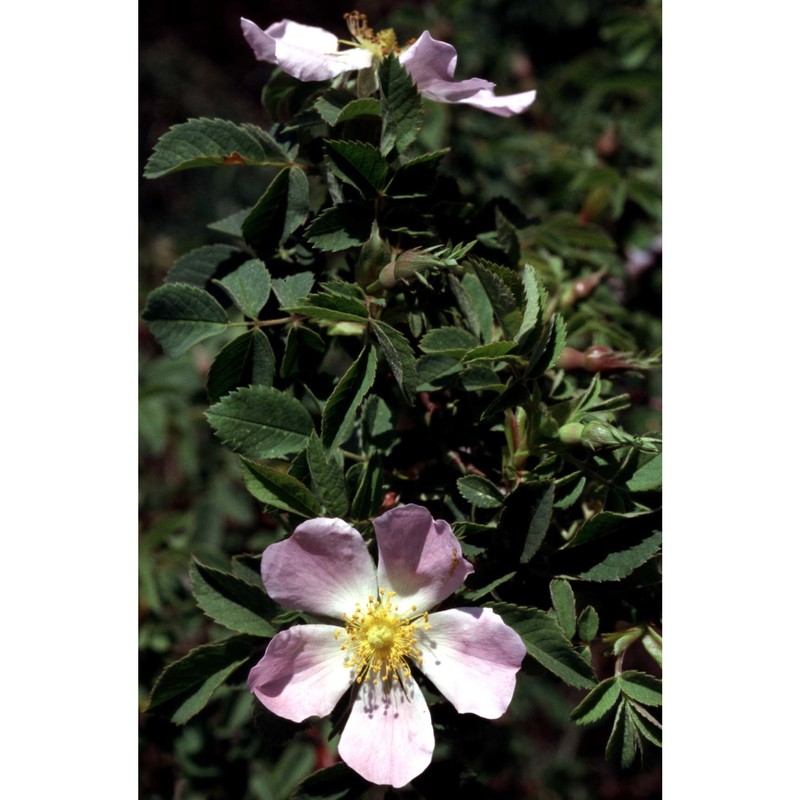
[302, 674]
[388, 738]
[432, 64]
[324, 567]
[418, 557]
[303, 51]
[473, 657]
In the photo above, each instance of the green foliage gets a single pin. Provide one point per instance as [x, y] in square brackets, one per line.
[420, 304]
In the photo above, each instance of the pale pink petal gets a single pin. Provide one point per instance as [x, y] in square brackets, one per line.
[473, 657]
[324, 567]
[302, 674]
[432, 64]
[503, 105]
[303, 51]
[388, 738]
[418, 557]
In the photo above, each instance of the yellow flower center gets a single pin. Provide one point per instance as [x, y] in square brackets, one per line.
[380, 44]
[382, 643]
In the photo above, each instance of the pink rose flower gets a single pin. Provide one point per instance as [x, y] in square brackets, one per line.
[384, 628]
[312, 54]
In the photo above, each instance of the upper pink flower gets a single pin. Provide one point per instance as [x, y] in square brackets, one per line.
[384, 629]
[312, 54]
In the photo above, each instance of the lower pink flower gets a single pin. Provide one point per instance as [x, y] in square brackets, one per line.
[385, 629]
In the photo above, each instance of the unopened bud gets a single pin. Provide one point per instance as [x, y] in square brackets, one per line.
[404, 268]
[593, 435]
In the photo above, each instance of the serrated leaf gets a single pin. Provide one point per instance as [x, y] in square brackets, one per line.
[540, 522]
[248, 286]
[292, 288]
[327, 478]
[365, 482]
[545, 641]
[357, 163]
[649, 728]
[564, 605]
[621, 563]
[434, 372]
[448, 341]
[494, 351]
[400, 356]
[206, 142]
[378, 426]
[624, 742]
[597, 703]
[401, 107]
[341, 407]
[477, 594]
[198, 266]
[278, 490]
[641, 687]
[588, 624]
[180, 315]
[337, 106]
[196, 702]
[535, 297]
[647, 477]
[341, 226]
[203, 664]
[415, 177]
[230, 225]
[278, 212]
[338, 782]
[245, 361]
[607, 523]
[480, 378]
[230, 601]
[261, 422]
[495, 282]
[333, 307]
[479, 491]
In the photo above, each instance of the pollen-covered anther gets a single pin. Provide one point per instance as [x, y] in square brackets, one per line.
[381, 639]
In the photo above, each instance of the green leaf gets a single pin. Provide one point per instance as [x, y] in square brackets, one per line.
[278, 213]
[245, 361]
[366, 487]
[434, 372]
[624, 742]
[180, 315]
[400, 356]
[230, 601]
[573, 495]
[333, 307]
[652, 642]
[564, 605]
[545, 641]
[327, 477]
[647, 477]
[338, 782]
[198, 266]
[499, 288]
[203, 143]
[359, 164]
[279, 490]
[401, 107]
[608, 523]
[621, 563]
[597, 703]
[448, 341]
[293, 288]
[341, 407]
[261, 422]
[341, 226]
[540, 522]
[248, 286]
[378, 426]
[337, 106]
[649, 728]
[196, 675]
[230, 225]
[416, 176]
[480, 378]
[588, 624]
[477, 594]
[480, 492]
[494, 351]
[641, 687]
[535, 297]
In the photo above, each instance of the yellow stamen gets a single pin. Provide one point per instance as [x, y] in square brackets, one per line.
[382, 642]
[381, 43]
